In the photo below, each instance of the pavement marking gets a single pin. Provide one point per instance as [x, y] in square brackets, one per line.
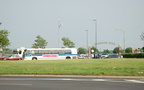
[99, 80]
[15, 84]
[76, 79]
[135, 81]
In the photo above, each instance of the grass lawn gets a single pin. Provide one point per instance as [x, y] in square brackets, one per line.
[134, 67]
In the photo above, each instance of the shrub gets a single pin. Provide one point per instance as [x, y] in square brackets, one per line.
[133, 55]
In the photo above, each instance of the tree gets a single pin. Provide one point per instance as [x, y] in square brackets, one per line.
[8, 51]
[142, 49]
[106, 51]
[81, 50]
[4, 41]
[95, 49]
[116, 50]
[128, 50]
[68, 43]
[40, 42]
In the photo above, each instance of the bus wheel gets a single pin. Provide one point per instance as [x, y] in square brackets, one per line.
[68, 57]
[34, 58]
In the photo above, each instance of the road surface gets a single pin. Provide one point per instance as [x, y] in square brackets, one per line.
[61, 83]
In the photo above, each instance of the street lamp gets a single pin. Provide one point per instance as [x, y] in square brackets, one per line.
[95, 20]
[59, 25]
[87, 37]
[87, 41]
[88, 50]
[123, 37]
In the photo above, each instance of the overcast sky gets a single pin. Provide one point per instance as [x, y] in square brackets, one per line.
[25, 19]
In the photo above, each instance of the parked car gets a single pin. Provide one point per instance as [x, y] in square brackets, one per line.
[81, 57]
[120, 56]
[104, 55]
[13, 57]
[115, 56]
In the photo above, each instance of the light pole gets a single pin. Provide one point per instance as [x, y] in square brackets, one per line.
[88, 49]
[87, 37]
[95, 20]
[87, 42]
[59, 25]
[123, 37]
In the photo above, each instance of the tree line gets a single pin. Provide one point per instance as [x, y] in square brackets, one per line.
[42, 43]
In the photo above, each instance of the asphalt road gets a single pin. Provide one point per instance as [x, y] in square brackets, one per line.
[52, 83]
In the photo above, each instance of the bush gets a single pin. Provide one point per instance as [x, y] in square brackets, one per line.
[133, 55]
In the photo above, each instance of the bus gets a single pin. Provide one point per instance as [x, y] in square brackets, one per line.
[46, 53]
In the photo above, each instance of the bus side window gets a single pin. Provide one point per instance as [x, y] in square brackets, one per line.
[55, 52]
[61, 52]
[36, 51]
[46, 52]
[41, 51]
[67, 51]
[50, 51]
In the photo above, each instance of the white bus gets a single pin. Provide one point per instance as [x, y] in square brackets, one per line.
[47, 53]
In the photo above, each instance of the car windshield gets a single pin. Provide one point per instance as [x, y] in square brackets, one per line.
[104, 54]
[13, 55]
[15, 52]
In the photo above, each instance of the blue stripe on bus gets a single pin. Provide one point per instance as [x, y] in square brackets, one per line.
[33, 55]
[58, 55]
[37, 55]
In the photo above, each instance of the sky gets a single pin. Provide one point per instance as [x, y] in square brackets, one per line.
[116, 19]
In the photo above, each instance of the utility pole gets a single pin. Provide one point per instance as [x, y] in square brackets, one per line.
[59, 25]
[95, 20]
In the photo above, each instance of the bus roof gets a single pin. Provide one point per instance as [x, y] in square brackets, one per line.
[48, 48]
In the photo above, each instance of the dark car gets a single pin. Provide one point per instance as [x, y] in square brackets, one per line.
[13, 57]
[115, 56]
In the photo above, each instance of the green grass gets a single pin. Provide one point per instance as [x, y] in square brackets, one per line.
[134, 67]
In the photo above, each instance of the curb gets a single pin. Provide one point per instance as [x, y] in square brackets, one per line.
[74, 76]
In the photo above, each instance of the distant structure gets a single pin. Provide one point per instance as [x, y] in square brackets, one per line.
[111, 43]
